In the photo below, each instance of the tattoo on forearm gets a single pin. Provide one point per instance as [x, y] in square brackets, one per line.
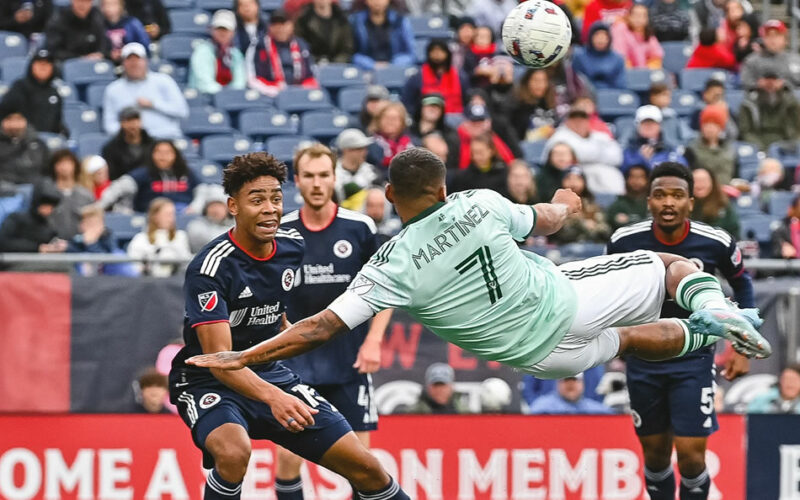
[300, 337]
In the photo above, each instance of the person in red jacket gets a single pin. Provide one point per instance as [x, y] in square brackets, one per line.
[479, 122]
[608, 11]
[437, 75]
[710, 54]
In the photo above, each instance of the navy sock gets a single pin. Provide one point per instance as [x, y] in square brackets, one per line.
[391, 492]
[695, 488]
[289, 489]
[220, 489]
[660, 484]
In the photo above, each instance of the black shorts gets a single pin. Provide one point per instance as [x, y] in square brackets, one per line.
[676, 396]
[355, 400]
[208, 404]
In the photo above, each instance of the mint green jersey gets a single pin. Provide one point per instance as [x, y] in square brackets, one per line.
[457, 269]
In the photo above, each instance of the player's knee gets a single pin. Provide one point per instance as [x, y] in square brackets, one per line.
[691, 464]
[231, 460]
[367, 475]
[657, 459]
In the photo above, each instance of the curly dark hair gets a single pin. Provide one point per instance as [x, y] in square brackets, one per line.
[673, 169]
[246, 168]
[59, 155]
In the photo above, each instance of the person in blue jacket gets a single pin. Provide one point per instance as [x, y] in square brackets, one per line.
[568, 399]
[604, 68]
[121, 28]
[382, 36]
[217, 63]
[647, 146]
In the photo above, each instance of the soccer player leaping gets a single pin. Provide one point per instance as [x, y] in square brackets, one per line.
[456, 267]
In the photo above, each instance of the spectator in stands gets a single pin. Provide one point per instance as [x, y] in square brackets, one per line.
[25, 16]
[712, 54]
[630, 207]
[324, 25]
[250, 24]
[165, 175]
[65, 171]
[152, 393]
[452, 8]
[36, 95]
[377, 97]
[500, 124]
[382, 36]
[486, 169]
[596, 124]
[568, 399]
[377, 208]
[771, 177]
[429, 118]
[463, 57]
[597, 153]
[786, 238]
[770, 113]
[215, 220]
[669, 20]
[438, 145]
[634, 39]
[746, 38]
[520, 184]
[785, 398]
[155, 95]
[706, 14]
[491, 13]
[438, 396]
[95, 237]
[217, 63]
[279, 59]
[160, 239]
[32, 231]
[77, 30]
[649, 146]
[390, 135]
[532, 109]
[590, 226]
[478, 122]
[121, 29]
[607, 11]
[772, 59]
[94, 175]
[493, 73]
[559, 158]
[674, 130]
[711, 204]
[437, 75]
[711, 149]
[153, 16]
[353, 173]
[714, 93]
[23, 155]
[604, 68]
[130, 147]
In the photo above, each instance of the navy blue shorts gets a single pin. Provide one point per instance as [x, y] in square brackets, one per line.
[355, 400]
[208, 404]
[676, 396]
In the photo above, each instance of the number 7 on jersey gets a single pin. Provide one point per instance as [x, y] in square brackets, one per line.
[483, 257]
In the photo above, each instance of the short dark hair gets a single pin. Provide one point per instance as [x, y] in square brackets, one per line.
[416, 172]
[673, 169]
[713, 82]
[658, 88]
[246, 168]
[708, 36]
[152, 378]
[59, 155]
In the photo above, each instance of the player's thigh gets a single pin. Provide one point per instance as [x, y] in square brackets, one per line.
[349, 458]
[355, 400]
[228, 442]
[649, 392]
[577, 353]
[657, 450]
[616, 290]
[692, 398]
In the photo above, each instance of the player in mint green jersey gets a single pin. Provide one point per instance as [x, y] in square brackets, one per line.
[456, 268]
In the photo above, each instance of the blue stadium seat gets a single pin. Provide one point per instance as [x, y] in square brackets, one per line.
[780, 201]
[67, 91]
[429, 26]
[684, 102]
[640, 80]
[206, 121]
[206, 171]
[270, 5]
[94, 94]
[165, 67]
[624, 128]
[12, 45]
[335, 76]
[222, 148]
[292, 199]
[747, 205]
[695, 79]
[324, 125]
[393, 77]
[258, 124]
[194, 98]
[13, 68]
[54, 141]
[613, 103]
[187, 147]
[421, 49]
[787, 153]
[178, 47]
[747, 158]
[125, 226]
[351, 99]
[178, 4]
[91, 144]
[298, 100]
[283, 147]
[676, 55]
[189, 21]
[757, 227]
[81, 120]
[532, 151]
[235, 101]
[215, 5]
[734, 98]
[84, 72]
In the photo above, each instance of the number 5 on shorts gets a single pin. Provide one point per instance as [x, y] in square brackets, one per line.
[483, 257]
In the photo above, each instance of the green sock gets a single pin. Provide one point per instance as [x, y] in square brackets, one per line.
[700, 291]
[693, 341]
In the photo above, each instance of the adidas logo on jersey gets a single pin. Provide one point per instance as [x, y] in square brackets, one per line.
[246, 293]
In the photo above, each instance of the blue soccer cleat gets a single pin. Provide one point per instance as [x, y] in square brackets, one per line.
[738, 326]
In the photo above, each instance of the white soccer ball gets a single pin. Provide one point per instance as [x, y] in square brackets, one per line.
[536, 33]
[495, 395]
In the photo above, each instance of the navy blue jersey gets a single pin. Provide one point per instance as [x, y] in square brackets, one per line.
[333, 256]
[709, 247]
[224, 283]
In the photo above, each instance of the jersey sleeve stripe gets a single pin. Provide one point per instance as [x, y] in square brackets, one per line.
[627, 231]
[710, 232]
[214, 268]
[212, 255]
[291, 216]
[359, 217]
[210, 322]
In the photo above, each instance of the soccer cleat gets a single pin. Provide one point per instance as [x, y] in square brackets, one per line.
[738, 326]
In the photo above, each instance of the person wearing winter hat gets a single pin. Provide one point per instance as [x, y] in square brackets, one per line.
[648, 146]
[217, 63]
[23, 154]
[94, 175]
[37, 96]
[712, 149]
[437, 75]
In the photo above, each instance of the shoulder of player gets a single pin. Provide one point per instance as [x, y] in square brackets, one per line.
[288, 233]
[293, 216]
[357, 217]
[386, 251]
[624, 232]
[212, 257]
[704, 230]
[474, 193]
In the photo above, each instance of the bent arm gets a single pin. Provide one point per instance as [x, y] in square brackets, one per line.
[550, 217]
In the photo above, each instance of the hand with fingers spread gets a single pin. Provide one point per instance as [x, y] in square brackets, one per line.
[223, 360]
[291, 412]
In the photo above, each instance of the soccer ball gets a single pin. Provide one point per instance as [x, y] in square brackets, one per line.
[536, 33]
[495, 395]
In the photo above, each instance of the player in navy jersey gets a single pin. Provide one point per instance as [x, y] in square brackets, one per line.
[673, 401]
[338, 243]
[236, 291]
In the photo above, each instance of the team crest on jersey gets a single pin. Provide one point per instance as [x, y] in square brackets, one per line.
[361, 285]
[637, 419]
[209, 400]
[287, 279]
[208, 301]
[736, 258]
[343, 249]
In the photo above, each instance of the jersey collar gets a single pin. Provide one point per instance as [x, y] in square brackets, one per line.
[436, 206]
[683, 236]
[240, 247]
